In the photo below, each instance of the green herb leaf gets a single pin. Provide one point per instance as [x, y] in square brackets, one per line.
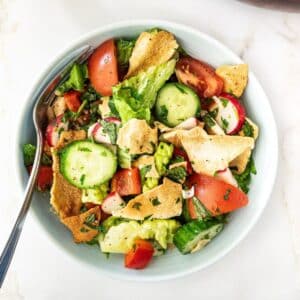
[90, 95]
[224, 101]
[155, 201]
[124, 51]
[136, 205]
[177, 174]
[247, 129]
[209, 121]
[224, 123]
[143, 171]
[29, 154]
[111, 129]
[244, 179]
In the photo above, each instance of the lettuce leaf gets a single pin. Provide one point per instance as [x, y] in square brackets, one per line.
[134, 97]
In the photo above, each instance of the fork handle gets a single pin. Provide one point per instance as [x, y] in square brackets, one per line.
[11, 244]
[43, 90]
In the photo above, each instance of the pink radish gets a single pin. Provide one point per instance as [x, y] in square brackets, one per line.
[113, 120]
[53, 130]
[112, 202]
[230, 113]
[227, 176]
[188, 123]
[96, 132]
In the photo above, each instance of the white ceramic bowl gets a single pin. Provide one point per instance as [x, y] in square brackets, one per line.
[173, 264]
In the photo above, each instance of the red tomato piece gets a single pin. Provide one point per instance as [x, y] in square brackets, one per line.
[217, 196]
[127, 182]
[191, 208]
[199, 76]
[180, 152]
[72, 99]
[140, 256]
[103, 68]
[44, 178]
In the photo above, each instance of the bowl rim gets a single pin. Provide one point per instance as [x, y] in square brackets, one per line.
[272, 130]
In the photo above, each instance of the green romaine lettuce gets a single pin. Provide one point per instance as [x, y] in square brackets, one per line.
[134, 97]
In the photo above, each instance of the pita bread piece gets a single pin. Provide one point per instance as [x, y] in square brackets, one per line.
[151, 49]
[81, 225]
[211, 153]
[162, 202]
[65, 198]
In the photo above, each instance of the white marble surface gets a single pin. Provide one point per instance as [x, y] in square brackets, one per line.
[266, 264]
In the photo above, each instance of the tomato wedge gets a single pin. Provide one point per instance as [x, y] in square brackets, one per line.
[140, 256]
[217, 196]
[44, 178]
[180, 152]
[127, 182]
[103, 68]
[199, 76]
[72, 99]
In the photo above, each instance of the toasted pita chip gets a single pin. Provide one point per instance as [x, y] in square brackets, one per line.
[78, 225]
[151, 49]
[235, 78]
[162, 202]
[65, 198]
[137, 136]
[211, 153]
[147, 160]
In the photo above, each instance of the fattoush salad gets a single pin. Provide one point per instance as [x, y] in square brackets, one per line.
[147, 148]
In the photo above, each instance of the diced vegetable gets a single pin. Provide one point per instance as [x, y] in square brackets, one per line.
[44, 178]
[231, 114]
[162, 157]
[193, 210]
[127, 182]
[54, 129]
[195, 235]
[176, 103]
[217, 196]
[112, 202]
[72, 100]
[134, 97]
[124, 158]
[140, 256]
[103, 68]
[78, 74]
[86, 164]
[95, 195]
[199, 76]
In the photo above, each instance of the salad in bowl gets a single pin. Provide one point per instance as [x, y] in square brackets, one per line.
[147, 148]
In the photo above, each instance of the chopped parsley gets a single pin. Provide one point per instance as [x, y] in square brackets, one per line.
[244, 179]
[82, 178]
[84, 229]
[227, 193]
[143, 171]
[247, 129]
[214, 113]
[136, 205]
[163, 114]
[111, 129]
[90, 95]
[209, 121]
[224, 123]
[180, 88]
[90, 219]
[155, 201]
[224, 101]
[177, 174]
[178, 200]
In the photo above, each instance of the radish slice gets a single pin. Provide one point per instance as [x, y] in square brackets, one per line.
[230, 114]
[186, 194]
[113, 120]
[226, 175]
[96, 132]
[53, 130]
[188, 124]
[112, 203]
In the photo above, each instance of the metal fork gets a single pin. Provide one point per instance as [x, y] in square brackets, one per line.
[43, 98]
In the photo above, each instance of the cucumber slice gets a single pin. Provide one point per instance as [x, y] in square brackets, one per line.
[86, 164]
[175, 103]
[196, 234]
